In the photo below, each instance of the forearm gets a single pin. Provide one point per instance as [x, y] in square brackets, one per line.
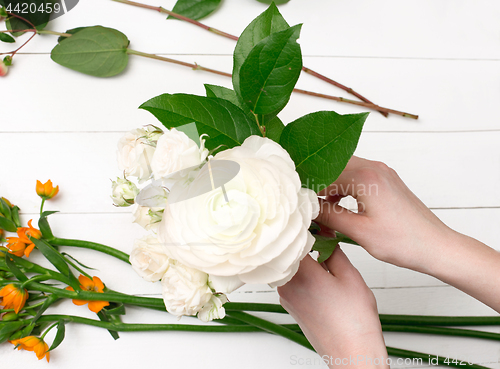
[468, 265]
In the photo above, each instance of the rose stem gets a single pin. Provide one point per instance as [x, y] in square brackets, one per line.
[324, 96]
[235, 38]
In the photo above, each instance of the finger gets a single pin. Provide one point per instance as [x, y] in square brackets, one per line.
[338, 264]
[309, 271]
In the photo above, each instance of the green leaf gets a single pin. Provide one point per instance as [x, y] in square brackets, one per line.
[43, 225]
[325, 246]
[46, 304]
[321, 144]
[6, 38]
[277, 2]
[270, 21]
[115, 308]
[195, 9]
[15, 215]
[5, 209]
[61, 331]
[104, 318]
[7, 224]
[53, 256]
[15, 23]
[229, 95]
[9, 327]
[96, 51]
[71, 32]
[14, 269]
[270, 72]
[223, 122]
[274, 128]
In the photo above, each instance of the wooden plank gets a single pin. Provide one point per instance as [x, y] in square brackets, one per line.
[116, 231]
[445, 170]
[410, 29]
[448, 96]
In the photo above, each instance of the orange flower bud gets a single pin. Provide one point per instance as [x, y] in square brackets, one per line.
[46, 190]
[13, 297]
[35, 344]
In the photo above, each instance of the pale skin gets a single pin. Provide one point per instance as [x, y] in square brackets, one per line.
[335, 309]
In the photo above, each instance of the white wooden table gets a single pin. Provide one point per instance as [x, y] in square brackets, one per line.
[438, 59]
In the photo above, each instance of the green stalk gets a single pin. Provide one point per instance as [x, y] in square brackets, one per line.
[254, 306]
[440, 359]
[271, 328]
[97, 296]
[441, 331]
[439, 320]
[93, 246]
[128, 327]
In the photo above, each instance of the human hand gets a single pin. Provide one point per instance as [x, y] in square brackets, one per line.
[392, 224]
[336, 311]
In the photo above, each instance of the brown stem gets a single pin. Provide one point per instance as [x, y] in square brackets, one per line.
[196, 66]
[335, 83]
[365, 104]
[12, 53]
[179, 16]
[235, 38]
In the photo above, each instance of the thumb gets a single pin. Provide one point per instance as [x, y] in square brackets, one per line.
[340, 219]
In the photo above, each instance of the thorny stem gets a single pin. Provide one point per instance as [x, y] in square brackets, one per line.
[235, 38]
[305, 92]
[181, 17]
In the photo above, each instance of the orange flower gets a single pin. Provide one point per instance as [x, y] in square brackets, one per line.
[32, 343]
[93, 285]
[13, 297]
[22, 244]
[46, 190]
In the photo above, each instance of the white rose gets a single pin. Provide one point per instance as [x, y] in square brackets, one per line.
[260, 235]
[185, 290]
[146, 217]
[213, 309]
[148, 259]
[135, 152]
[175, 151]
[123, 192]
